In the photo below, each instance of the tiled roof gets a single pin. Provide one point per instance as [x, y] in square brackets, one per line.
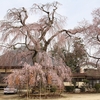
[89, 73]
[15, 58]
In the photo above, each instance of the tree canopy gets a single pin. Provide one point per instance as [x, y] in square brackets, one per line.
[36, 38]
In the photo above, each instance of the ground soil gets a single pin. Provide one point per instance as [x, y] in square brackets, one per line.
[91, 96]
[66, 96]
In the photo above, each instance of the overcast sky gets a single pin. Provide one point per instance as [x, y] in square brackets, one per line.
[74, 10]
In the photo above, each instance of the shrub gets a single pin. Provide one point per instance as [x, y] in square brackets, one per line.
[53, 89]
[97, 87]
[86, 81]
[69, 88]
[82, 89]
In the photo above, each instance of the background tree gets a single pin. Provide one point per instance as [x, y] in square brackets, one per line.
[94, 35]
[80, 54]
[73, 57]
[77, 56]
[91, 35]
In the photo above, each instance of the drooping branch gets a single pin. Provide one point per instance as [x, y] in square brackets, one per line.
[53, 36]
[30, 49]
[49, 20]
[25, 16]
[18, 28]
[31, 37]
[17, 15]
[47, 9]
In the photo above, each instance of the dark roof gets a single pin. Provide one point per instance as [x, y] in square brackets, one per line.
[16, 58]
[81, 75]
[89, 73]
[11, 67]
[93, 72]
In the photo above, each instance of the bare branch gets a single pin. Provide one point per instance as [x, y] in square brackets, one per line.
[98, 37]
[97, 58]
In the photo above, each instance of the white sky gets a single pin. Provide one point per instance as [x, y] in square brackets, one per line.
[74, 10]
